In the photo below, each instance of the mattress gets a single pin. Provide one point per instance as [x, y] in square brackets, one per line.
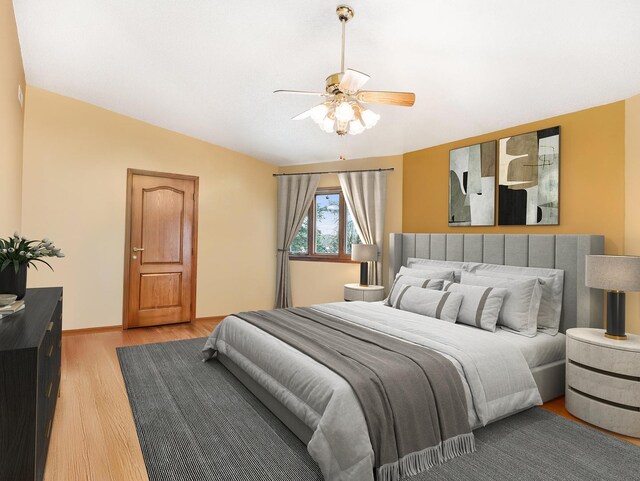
[538, 350]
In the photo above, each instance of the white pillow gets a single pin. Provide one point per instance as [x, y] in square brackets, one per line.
[400, 281]
[431, 264]
[480, 305]
[439, 304]
[446, 274]
[520, 308]
[552, 287]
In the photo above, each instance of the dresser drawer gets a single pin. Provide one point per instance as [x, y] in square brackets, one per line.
[614, 418]
[48, 376]
[45, 425]
[56, 337]
[610, 388]
[605, 358]
[49, 358]
[53, 330]
[55, 324]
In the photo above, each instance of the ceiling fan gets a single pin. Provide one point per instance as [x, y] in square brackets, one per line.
[343, 110]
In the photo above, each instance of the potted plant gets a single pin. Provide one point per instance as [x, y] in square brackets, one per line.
[16, 255]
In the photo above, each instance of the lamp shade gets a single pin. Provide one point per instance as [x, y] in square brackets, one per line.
[364, 252]
[613, 273]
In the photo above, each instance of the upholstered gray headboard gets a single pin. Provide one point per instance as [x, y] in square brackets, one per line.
[582, 306]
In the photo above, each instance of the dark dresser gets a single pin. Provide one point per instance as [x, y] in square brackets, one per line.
[30, 348]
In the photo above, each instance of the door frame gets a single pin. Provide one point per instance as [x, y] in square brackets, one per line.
[127, 239]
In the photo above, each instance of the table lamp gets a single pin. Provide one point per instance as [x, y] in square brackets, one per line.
[364, 253]
[615, 274]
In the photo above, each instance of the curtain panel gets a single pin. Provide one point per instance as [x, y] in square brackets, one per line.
[295, 194]
[366, 196]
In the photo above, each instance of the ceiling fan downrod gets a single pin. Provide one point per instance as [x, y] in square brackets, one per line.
[345, 13]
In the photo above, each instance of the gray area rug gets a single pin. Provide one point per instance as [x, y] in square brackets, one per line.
[196, 422]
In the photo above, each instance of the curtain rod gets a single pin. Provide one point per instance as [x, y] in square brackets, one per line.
[390, 169]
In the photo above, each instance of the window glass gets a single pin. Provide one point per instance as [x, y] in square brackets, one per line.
[351, 234]
[300, 244]
[327, 233]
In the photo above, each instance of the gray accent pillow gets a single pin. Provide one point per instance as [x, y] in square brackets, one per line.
[520, 308]
[552, 289]
[400, 281]
[446, 274]
[439, 304]
[431, 264]
[480, 305]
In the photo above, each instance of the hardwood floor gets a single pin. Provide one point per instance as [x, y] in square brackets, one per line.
[93, 436]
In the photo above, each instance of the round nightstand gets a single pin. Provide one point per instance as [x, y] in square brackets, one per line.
[356, 292]
[603, 380]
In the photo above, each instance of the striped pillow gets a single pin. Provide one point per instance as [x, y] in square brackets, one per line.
[439, 304]
[480, 306]
[431, 264]
[552, 290]
[520, 308]
[400, 280]
[446, 274]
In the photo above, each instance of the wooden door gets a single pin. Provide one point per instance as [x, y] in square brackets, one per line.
[161, 249]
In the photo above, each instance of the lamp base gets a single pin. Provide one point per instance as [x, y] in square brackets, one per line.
[615, 315]
[617, 338]
[364, 274]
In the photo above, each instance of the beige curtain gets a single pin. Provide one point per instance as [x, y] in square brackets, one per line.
[295, 193]
[366, 197]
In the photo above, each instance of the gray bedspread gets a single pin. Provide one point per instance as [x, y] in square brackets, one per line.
[395, 382]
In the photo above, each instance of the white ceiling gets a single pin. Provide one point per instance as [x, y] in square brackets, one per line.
[207, 68]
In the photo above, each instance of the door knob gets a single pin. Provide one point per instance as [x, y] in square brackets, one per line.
[138, 249]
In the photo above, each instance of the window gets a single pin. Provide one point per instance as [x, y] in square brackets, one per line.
[327, 231]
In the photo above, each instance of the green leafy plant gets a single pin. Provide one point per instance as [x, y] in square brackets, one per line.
[18, 250]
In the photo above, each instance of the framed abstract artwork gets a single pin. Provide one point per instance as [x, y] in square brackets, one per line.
[529, 178]
[472, 185]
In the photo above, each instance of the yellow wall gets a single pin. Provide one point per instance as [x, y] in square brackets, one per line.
[317, 282]
[75, 168]
[632, 200]
[11, 120]
[73, 190]
[592, 185]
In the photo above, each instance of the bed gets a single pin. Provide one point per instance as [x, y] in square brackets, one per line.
[502, 373]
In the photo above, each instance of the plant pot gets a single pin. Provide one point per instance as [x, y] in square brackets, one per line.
[12, 282]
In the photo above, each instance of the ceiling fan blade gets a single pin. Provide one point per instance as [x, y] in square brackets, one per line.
[300, 92]
[399, 99]
[352, 81]
[303, 115]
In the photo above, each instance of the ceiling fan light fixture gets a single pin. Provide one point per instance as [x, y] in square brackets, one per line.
[369, 118]
[318, 113]
[344, 112]
[356, 127]
[327, 125]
